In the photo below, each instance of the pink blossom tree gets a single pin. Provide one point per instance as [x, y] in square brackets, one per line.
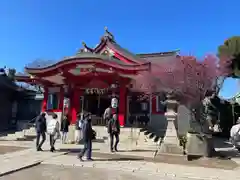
[185, 76]
[188, 78]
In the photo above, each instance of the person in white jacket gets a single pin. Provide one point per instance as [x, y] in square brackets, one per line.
[53, 129]
[235, 135]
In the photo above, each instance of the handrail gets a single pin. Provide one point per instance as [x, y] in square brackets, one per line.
[32, 120]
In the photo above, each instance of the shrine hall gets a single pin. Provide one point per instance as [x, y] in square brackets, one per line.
[88, 80]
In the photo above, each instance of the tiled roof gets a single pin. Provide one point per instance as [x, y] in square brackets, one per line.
[38, 64]
[159, 54]
[5, 82]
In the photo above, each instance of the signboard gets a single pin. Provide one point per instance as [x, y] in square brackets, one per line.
[96, 91]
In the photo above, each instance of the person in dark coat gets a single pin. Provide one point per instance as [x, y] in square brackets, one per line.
[64, 128]
[114, 131]
[87, 133]
[41, 128]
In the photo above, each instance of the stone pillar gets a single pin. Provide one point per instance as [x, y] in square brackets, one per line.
[171, 143]
[122, 105]
[45, 99]
[74, 106]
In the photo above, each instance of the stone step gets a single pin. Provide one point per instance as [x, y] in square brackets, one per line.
[30, 132]
[12, 135]
[33, 129]
[20, 134]
[7, 138]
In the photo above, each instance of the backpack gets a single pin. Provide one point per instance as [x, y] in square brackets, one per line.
[52, 127]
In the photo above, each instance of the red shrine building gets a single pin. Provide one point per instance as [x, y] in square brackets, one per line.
[90, 78]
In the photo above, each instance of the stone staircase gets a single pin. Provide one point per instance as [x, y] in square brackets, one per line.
[134, 137]
[28, 133]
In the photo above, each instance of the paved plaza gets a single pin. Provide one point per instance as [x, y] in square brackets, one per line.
[54, 172]
[125, 164]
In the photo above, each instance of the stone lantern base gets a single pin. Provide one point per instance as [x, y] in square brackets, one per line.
[170, 142]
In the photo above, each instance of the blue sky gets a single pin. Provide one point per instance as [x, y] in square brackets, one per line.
[52, 29]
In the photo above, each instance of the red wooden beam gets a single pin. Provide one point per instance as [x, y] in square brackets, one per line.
[72, 63]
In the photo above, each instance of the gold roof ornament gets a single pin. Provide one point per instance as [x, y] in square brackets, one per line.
[108, 34]
[83, 43]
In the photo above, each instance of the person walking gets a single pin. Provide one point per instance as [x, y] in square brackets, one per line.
[78, 128]
[88, 136]
[53, 130]
[64, 128]
[40, 125]
[114, 131]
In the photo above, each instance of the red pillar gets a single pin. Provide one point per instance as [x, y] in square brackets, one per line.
[61, 99]
[154, 105]
[45, 99]
[74, 105]
[122, 105]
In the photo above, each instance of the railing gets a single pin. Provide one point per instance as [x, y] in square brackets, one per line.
[138, 120]
[32, 121]
[29, 123]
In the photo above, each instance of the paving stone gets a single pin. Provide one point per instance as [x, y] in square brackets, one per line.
[134, 167]
[22, 159]
[54, 172]
[156, 169]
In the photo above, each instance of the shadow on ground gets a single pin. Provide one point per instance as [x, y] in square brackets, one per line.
[99, 140]
[9, 149]
[137, 150]
[229, 154]
[75, 150]
[119, 159]
[218, 163]
[222, 143]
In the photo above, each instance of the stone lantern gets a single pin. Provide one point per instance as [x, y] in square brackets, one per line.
[172, 105]
[170, 142]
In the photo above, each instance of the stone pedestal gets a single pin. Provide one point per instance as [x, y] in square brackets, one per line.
[171, 143]
[198, 145]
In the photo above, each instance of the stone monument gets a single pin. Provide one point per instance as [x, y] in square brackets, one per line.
[199, 137]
